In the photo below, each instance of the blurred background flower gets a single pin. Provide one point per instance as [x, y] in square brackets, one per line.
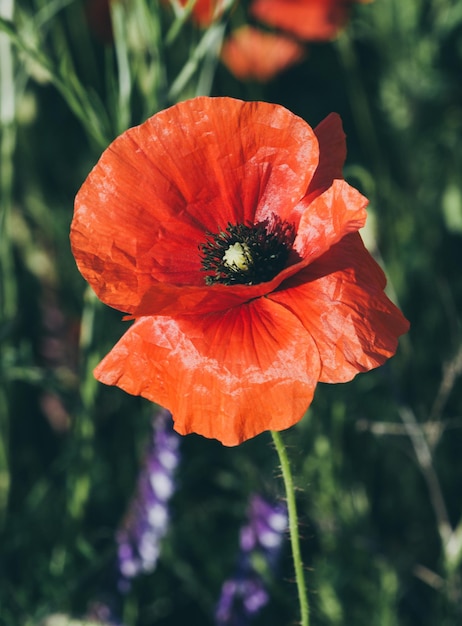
[310, 20]
[253, 54]
[147, 519]
[245, 594]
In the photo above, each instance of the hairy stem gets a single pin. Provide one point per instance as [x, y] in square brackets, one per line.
[293, 527]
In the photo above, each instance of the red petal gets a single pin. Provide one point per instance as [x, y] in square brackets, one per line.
[147, 204]
[226, 376]
[340, 301]
[328, 218]
[332, 152]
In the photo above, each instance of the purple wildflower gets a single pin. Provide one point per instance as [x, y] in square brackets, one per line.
[146, 522]
[244, 595]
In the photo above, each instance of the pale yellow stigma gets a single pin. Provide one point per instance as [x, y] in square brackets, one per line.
[237, 257]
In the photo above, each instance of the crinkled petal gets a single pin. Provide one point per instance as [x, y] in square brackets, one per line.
[340, 301]
[226, 376]
[193, 168]
[328, 218]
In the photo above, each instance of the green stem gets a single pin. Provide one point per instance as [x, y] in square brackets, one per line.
[293, 527]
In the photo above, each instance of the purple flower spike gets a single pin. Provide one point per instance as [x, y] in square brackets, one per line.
[240, 600]
[244, 595]
[146, 522]
[267, 523]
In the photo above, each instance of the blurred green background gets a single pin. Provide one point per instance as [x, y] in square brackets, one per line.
[378, 461]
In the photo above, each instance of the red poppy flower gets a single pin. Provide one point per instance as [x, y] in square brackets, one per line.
[225, 229]
[250, 53]
[311, 20]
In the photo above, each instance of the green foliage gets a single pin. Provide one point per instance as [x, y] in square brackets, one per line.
[377, 461]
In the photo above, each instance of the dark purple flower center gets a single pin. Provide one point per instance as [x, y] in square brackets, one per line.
[247, 254]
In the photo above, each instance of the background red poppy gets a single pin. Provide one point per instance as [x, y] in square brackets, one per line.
[252, 54]
[311, 20]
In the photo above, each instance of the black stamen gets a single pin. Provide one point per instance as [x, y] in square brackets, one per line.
[247, 254]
